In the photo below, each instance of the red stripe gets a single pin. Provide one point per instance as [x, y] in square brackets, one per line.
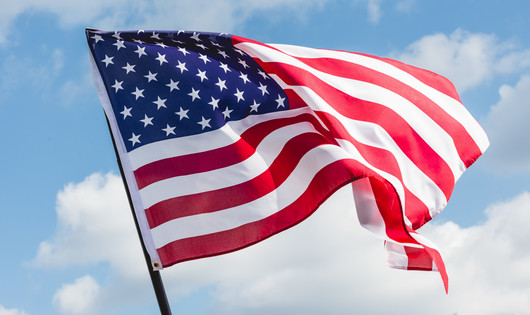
[255, 188]
[327, 181]
[193, 163]
[464, 143]
[431, 79]
[412, 145]
[415, 210]
[389, 206]
[217, 158]
[418, 258]
[237, 195]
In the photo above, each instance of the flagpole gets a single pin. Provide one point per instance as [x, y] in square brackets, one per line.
[156, 279]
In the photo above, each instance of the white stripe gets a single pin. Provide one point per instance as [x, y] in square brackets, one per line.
[374, 135]
[129, 177]
[297, 182]
[259, 162]
[226, 135]
[367, 211]
[450, 105]
[431, 132]
[396, 255]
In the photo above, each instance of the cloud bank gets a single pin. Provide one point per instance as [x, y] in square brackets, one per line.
[328, 263]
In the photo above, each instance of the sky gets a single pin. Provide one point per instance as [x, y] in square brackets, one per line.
[67, 237]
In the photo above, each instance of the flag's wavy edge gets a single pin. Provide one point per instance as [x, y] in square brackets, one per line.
[398, 184]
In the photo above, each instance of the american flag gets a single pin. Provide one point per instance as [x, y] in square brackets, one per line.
[226, 141]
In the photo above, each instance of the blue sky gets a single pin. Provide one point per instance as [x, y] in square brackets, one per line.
[67, 238]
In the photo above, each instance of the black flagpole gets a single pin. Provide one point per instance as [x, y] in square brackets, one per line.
[156, 279]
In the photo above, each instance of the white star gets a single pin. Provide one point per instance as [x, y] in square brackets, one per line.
[195, 36]
[280, 100]
[202, 75]
[151, 76]
[204, 123]
[263, 74]
[204, 58]
[201, 46]
[254, 107]
[119, 44]
[215, 43]
[117, 85]
[140, 51]
[161, 58]
[226, 113]
[221, 84]
[161, 44]
[107, 60]
[169, 130]
[182, 113]
[244, 77]
[239, 95]
[222, 53]
[139, 31]
[239, 51]
[138, 41]
[138, 93]
[214, 103]
[155, 36]
[182, 66]
[225, 67]
[160, 102]
[194, 94]
[126, 112]
[117, 35]
[129, 68]
[263, 89]
[183, 50]
[97, 38]
[147, 120]
[135, 139]
[243, 63]
[173, 85]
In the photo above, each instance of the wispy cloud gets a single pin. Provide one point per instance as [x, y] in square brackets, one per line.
[222, 15]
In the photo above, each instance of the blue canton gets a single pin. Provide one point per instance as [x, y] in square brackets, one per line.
[164, 85]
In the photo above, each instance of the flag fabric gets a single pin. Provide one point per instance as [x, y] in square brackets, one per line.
[226, 141]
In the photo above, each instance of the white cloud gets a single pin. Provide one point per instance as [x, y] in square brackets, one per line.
[508, 129]
[94, 225]
[78, 297]
[467, 59]
[11, 311]
[326, 264]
